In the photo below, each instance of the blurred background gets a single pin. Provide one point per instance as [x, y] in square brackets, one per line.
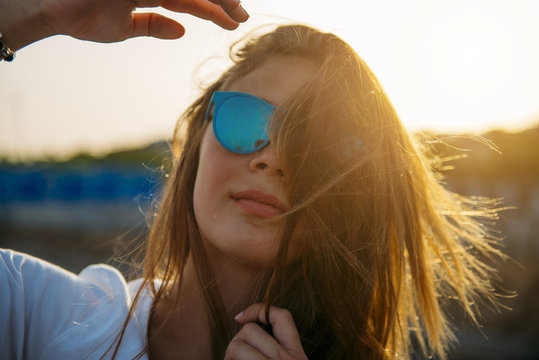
[84, 130]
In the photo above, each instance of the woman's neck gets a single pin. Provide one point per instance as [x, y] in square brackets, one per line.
[187, 332]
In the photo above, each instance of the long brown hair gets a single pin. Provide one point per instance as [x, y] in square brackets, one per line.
[384, 244]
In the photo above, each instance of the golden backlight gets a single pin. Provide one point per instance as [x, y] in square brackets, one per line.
[456, 66]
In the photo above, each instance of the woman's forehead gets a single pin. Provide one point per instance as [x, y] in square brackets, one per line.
[275, 78]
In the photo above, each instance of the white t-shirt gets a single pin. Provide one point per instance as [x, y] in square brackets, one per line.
[47, 312]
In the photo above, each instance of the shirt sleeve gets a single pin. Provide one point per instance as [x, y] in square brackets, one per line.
[47, 312]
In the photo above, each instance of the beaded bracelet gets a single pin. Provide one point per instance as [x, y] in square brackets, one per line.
[6, 53]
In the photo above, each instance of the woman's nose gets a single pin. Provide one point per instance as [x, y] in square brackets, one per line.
[265, 160]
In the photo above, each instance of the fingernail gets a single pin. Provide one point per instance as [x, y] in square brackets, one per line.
[243, 12]
[237, 317]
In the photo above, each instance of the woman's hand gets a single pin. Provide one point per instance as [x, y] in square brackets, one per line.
[25, 21]
[113, 20]
[253, 343]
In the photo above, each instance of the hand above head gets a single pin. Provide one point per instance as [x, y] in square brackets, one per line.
[25, 21]
[253, 342]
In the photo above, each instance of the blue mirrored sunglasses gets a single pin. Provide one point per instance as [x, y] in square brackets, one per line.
[240, 121]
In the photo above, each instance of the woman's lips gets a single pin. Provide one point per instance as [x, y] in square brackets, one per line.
[258, 203]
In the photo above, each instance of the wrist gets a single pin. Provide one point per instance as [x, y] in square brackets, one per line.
[21, 23]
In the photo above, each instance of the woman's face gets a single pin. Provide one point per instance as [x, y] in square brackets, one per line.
[232, 218]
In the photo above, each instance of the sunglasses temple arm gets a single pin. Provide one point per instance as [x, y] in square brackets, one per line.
[208, 110]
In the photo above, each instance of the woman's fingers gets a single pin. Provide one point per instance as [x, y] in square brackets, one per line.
[238, 350]
[252, 342]
[155, 25]
[207, 10]
[283, 326]
[114, 20]
[260, 340]
[233, 8]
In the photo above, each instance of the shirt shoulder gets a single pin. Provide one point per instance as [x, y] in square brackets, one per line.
[55, 313]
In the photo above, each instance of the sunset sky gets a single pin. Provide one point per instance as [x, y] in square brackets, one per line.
[452, 66]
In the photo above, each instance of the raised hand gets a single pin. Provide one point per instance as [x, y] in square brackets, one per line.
[253, 343]
[25, 21]
[113, 20]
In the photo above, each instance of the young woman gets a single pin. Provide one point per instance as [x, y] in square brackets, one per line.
[300, 220]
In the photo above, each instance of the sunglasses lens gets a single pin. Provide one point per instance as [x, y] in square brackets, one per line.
[241, 123]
